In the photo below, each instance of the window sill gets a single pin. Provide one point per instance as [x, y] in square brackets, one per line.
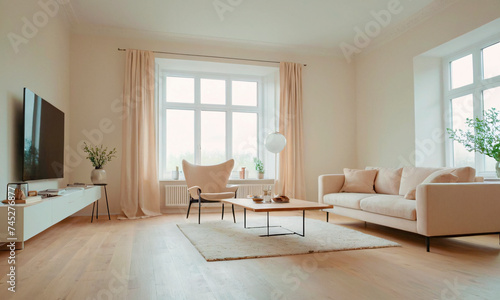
[231, 181]
[492, 179]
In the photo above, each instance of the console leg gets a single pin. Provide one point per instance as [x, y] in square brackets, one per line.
[92, 218]
[107, 205]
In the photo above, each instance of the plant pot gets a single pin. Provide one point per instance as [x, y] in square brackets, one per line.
[497, 167]
[98, 176]
[261, 176]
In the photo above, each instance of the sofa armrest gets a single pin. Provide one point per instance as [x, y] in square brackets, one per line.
[458, 208]
[328, 184]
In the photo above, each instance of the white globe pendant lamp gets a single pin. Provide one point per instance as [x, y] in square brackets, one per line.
[275, 142]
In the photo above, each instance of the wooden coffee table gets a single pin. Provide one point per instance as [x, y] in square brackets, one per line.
[267, 207]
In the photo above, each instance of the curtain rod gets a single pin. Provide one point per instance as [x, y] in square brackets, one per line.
[212, 56]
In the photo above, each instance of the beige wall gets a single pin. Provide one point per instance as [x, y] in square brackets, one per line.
[385, 83]
[42, 65]
[97, 70]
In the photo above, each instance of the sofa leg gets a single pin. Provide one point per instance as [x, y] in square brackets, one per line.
[428, 243]
[365, 224]
[327, 216]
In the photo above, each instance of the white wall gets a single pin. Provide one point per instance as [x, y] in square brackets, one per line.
[429, 112]
[97, 70]
[42, 65]
[385, 83]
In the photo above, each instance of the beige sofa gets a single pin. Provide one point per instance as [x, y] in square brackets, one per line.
[465, 207]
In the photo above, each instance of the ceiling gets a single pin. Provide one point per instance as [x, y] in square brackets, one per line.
[312, 25]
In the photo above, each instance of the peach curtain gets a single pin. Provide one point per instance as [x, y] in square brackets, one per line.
[291, 170]
[140, 193]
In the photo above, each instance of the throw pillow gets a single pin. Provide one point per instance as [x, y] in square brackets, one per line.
[413, 176]
[465, 174]
[441, 176]
[359, 181]
[387, 180]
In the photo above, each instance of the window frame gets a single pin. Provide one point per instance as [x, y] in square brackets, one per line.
[262, 114]
[476, 89]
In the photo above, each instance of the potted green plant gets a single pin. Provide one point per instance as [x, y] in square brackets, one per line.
[259, 167]
[482, 136]
[98, 156]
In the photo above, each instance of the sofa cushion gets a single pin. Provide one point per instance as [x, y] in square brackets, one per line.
[359, 181]
[465, 174]
[390, 205]
[441, 176]
[349, 200]
[413, 176]
[387, 180]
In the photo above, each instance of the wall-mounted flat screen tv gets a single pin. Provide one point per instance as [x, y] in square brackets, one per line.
[43, 139]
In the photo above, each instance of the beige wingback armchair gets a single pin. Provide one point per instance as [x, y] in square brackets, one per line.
[208, 184]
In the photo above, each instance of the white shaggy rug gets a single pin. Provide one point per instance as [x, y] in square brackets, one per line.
[224, 240]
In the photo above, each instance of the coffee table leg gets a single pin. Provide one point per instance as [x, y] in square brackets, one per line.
[304, 223]
[267, 223]
[244, 217]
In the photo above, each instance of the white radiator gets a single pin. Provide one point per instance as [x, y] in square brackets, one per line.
[251, 189]
[177, 195]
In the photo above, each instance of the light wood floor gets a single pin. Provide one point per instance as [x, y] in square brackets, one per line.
[151, 259]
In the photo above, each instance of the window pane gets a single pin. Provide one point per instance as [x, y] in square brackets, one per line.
[461, 72]
[213, 91]
[244, 93]
[213, 137]
[180, 89]
[491, 99]
[179, 139]
[245, 142]
[462, 108]
[491, 61]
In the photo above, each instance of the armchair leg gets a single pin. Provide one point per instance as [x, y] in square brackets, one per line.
[189, 208]
[222, 211]
[428, 243]
[199, 211]
[234, 218]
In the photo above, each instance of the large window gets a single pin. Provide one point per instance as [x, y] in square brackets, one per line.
[207, 118]
[472, 81]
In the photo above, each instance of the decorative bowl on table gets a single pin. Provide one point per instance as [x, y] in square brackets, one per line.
[257, 199]
[281, 199]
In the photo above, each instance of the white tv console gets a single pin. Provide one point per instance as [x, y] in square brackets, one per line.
[31, 219]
